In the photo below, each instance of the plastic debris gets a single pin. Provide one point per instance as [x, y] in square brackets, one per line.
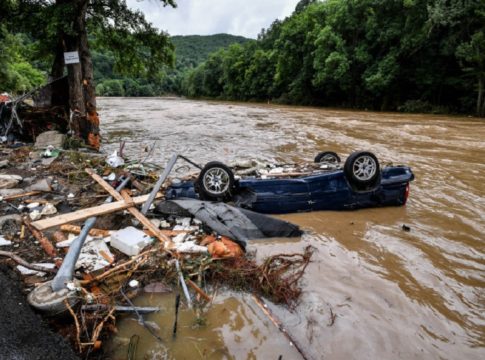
[110, 177]
[130, 241]
[190, 247]
[180, 238]
[68, 242]
[95, 255]
[50, 152]
[4, 242]
[114, 160]
[133, 284]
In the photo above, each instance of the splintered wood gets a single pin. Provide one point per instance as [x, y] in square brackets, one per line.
[133, 211]
[86, 213]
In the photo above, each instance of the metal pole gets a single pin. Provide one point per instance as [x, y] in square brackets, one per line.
[182, 283]
[159, 183]
[66, 271]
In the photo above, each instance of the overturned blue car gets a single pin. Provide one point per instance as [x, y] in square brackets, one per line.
[359, 183]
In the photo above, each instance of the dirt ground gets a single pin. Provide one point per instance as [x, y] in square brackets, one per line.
[23, 333]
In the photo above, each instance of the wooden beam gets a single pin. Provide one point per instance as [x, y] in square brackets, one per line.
[133, 211]
[74, 229]
[86, 213]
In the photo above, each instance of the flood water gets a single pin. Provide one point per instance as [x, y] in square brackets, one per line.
[395, 294]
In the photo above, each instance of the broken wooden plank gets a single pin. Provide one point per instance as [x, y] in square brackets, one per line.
[74, 229]
[134, 211]
[44, 242]
[86, 213]
[199, 291]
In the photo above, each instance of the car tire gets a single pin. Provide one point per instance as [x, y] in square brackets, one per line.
[215, 182]
[328, 157]
[362, 169]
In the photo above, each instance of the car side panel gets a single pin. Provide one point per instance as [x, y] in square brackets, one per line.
[278, 196]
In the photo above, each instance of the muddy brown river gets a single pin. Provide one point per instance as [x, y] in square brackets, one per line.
[373, 291]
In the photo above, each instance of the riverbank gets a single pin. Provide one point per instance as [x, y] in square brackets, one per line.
[23, 333]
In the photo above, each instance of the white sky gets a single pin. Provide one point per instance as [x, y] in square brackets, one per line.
[207, 17]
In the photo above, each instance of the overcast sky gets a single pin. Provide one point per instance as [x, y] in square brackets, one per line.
[206, 17]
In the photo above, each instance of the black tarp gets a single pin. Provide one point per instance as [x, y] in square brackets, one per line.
[238, 224]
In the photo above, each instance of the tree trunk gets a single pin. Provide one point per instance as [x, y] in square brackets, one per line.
[91, 130]
[82, 97]
[480, 98]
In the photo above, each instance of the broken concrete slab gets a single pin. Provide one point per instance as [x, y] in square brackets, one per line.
[54, 138]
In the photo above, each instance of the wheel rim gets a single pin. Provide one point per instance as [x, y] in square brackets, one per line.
[329, 158]
[216, 181]
[364, 168]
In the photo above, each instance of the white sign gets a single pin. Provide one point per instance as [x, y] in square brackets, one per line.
[71, 57]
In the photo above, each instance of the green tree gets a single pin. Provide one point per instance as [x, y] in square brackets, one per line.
[17, 75]
[62, 25]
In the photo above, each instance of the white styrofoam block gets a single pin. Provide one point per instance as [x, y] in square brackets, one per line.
[130, 241]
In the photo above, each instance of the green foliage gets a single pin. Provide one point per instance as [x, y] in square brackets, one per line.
[129, 44]
[190, 51]
[409, 55]
[17, 75]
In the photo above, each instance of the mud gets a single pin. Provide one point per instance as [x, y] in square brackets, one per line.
[24, 334]
[373, 290]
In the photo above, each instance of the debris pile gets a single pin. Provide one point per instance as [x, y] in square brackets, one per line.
[72, 227]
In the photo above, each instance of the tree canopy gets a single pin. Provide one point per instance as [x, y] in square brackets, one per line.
[60, 26]
[409, 55]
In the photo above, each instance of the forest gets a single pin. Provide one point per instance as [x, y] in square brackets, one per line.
[405, 55]
[399, 55]
[190, 51]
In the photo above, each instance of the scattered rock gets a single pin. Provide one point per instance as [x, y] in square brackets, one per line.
[4, 163]
[9, 181]
[41, 185]
[54, 138]
[49, 209]
[10, 224]
[35, 215]
[157, 287]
